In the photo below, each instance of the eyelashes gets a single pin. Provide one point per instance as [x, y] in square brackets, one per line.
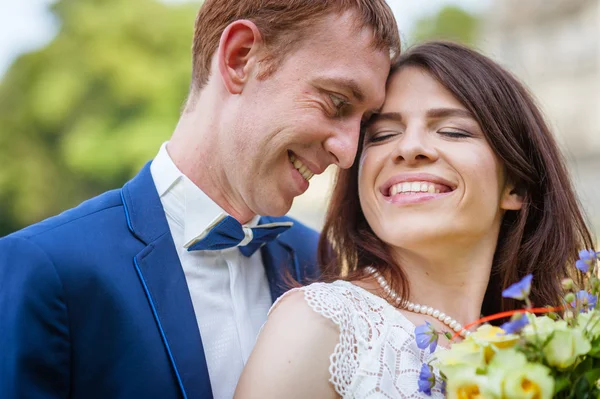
[337, 101]
[382, 136]
[339, 105]
[456, 134]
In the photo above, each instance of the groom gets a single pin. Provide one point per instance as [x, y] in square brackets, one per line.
[159, 289]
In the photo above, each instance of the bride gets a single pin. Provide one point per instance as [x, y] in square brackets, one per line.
[458, 191]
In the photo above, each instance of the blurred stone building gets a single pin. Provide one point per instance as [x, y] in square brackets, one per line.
[554, 47]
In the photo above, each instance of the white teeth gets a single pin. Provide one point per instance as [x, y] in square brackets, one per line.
[300, 167]
[413, 188]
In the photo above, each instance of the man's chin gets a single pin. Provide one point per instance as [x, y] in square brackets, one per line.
[271, 207]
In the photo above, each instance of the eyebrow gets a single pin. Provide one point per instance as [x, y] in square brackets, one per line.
[387, 116]
[346, 83]
[435, 113]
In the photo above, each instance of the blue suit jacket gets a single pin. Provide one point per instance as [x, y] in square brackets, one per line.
[94, 302]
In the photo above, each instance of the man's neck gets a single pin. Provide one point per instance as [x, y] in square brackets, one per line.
[192, 149]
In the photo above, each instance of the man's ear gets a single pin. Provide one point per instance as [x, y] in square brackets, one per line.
[512, 198]
[237, 53]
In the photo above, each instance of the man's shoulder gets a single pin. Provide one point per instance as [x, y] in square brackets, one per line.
[89, 211]
[303, 241]
[67, 244]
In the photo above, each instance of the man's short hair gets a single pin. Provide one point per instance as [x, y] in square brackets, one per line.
[283, 23]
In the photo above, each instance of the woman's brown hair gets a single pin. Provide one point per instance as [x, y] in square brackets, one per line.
[542, 238]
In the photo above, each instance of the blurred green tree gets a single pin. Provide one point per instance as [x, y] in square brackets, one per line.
[449, 23]
[83, 114]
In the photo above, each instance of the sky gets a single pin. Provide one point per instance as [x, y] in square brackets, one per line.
[26, 25]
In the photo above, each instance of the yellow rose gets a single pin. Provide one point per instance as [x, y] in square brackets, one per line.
[589, 322]
[488, 334]
[469, 390]
[566, 344]
[491, 338]
[466, 353]
[465, 383]
[531, 382]
[565, 347]
[511, 376]
[542, 326]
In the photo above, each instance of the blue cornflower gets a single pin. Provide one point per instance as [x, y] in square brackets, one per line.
[585, 300]
[426, 379]
[519, 290]
[586, 259]
[515, 326]
[426, 335]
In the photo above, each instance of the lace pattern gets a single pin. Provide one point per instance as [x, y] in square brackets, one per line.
[377, 355]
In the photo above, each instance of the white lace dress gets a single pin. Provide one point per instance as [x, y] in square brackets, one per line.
[377, 355]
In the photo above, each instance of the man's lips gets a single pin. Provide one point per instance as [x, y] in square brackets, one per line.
[306, 168]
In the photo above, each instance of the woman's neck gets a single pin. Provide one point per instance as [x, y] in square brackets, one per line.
[453, 281]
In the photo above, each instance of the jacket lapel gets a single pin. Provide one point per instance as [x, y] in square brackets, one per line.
[164, 282]
[281, 263]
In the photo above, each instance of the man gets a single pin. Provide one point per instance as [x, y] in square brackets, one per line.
[159, 289]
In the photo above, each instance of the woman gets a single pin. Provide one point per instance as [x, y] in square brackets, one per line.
[458, 191]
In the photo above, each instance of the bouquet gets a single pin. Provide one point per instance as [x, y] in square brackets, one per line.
[540, 353]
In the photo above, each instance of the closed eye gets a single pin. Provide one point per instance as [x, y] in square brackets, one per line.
[380, 137]
[455, 134]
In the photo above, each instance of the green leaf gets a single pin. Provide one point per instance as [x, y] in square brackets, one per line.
[83, 114]
[561, 384]
[584, 366]
[592, 376]
[581, 388]
[595, 352]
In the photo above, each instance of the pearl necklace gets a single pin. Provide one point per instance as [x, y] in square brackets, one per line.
[413, 307]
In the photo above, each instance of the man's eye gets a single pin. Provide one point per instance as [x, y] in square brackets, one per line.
[338, 102]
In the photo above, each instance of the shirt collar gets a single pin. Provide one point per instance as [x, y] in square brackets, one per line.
[189, 206]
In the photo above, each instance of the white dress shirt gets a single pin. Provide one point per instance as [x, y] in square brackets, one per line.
[229, 291]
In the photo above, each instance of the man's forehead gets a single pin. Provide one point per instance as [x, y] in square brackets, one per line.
[344, 28]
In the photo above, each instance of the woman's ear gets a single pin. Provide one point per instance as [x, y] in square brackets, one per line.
[237, 53]
[512, 198]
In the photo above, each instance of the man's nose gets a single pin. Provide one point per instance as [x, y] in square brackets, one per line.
[343, 144]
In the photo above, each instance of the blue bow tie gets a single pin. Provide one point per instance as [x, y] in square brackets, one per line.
[228, 232]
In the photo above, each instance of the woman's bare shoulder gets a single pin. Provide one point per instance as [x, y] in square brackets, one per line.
[292, 354]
